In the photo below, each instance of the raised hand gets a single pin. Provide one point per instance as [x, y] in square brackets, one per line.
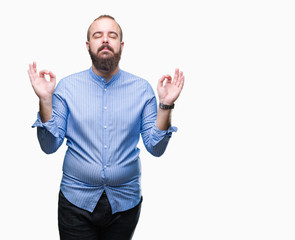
[43, 88]
[170, 90]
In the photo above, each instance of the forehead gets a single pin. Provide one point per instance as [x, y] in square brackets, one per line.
[104, 25]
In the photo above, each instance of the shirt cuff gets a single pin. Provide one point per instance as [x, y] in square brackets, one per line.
[159, 135]
[50, 125]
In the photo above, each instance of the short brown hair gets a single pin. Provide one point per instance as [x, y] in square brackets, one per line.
[105, 16]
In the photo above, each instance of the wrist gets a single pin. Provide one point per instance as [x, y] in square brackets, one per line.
[45, 110]
[45, 100]
[166, 106]
[166, 102]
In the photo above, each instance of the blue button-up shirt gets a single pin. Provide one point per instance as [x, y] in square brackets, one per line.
[102, 122]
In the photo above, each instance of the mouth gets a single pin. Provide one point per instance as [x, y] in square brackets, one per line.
[105, 48]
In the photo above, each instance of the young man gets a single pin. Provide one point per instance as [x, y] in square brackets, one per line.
[101, 112]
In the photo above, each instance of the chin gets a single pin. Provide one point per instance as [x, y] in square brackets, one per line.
[105, 55]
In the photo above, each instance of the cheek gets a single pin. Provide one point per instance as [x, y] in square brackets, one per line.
[116, 47]
[93, 47]
[95, 44]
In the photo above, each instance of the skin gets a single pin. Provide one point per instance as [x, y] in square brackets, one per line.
[43, 89]
[168, 91]
[105, 31]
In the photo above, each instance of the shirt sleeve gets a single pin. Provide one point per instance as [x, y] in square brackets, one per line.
[154, 139]
[51, 133]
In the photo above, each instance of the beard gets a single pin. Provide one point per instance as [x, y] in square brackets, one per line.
[105, 64]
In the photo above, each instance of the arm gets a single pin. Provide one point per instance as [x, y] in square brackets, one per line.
[43, 89]
[168, 93]
[51, 122]
[156, 127]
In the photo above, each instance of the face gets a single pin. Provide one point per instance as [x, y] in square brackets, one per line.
[104, 44]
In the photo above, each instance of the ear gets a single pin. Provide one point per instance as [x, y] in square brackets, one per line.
[87, 45]
[122, 46]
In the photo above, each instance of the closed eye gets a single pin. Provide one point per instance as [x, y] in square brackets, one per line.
[113, 35]
[97, 34]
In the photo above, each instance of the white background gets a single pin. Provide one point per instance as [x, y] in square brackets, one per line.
[228, 173]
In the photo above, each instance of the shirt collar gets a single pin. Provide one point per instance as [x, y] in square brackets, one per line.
[103, 80]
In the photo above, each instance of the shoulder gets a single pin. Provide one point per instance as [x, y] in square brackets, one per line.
[134, 79]
[75, 76]
[138, 85]
[72, 81]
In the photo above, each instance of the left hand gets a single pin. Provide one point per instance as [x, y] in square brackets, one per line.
[170, 91]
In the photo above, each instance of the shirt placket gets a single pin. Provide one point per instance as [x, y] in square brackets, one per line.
[106, 146]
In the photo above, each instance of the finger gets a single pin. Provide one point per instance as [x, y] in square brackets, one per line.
[51, 74]
[52, 77]
[161, 81]
[169, 78]
[181, 82]
[30, 76]
[180, 78]
[32, 73]
[176, 76]
[43, 72]
[31, 69]
[34, 67]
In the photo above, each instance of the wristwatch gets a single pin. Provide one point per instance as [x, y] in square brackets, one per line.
[163, 106]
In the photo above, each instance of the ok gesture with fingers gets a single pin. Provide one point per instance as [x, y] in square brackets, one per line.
[170, 90]
[43, 88]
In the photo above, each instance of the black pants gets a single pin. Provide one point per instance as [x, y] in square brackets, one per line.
[101, 224]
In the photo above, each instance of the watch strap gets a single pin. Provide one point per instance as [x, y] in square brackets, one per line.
[164, 106]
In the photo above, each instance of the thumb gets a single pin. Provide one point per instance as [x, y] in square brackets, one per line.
[52, 76]
[161, 81]
[42, 73]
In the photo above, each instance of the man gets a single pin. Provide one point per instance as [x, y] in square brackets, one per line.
[102, 111]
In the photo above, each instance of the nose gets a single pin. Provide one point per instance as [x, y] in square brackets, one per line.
[105, 38]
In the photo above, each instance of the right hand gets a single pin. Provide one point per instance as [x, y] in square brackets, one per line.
[43, 88]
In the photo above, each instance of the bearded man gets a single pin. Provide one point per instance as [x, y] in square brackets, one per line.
[102, 112]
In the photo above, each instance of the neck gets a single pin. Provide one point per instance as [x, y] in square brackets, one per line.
[105, 74]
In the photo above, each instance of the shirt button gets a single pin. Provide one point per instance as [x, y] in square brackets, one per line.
[105, 89]
[105, 108]
[105, 127]
[105, 146]
[105, 166]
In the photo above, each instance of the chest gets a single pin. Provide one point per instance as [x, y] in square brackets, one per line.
[100, 107]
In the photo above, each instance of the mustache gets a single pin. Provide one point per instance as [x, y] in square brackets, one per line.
[105, 46]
